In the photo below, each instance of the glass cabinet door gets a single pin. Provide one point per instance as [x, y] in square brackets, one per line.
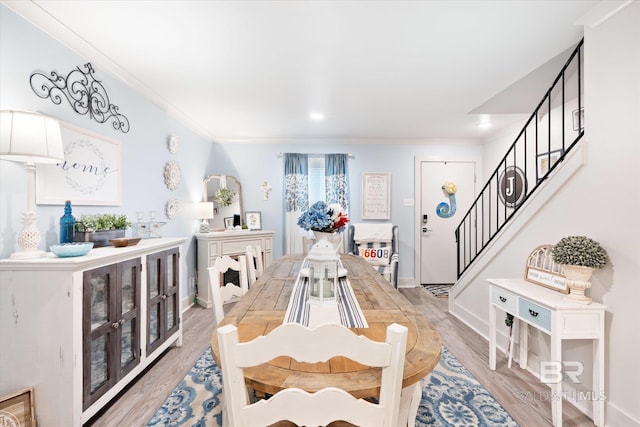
[163, 305]
[129, 289]
[155, 302]
[111, 327]
[171, 290]
[98, 332]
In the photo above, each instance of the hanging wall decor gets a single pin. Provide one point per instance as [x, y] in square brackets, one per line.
[173, 205]
[444, 209]
[173, 143]
[376, 195]
[172, 175]
[85, 94]
[90, 175]
[512, 186]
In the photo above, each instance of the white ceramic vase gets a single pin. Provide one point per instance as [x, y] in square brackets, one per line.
[577, 280]
[332, 237]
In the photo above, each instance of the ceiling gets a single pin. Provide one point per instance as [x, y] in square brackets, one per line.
[394, 71]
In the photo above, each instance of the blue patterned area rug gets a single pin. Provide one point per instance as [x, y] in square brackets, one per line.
[451, 396]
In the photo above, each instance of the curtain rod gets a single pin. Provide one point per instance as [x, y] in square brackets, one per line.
[351, 156]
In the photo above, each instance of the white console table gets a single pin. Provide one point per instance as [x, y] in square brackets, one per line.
[561, 319]
[232, 243]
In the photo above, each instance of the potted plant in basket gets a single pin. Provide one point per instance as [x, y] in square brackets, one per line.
[100, 228]
[579, 256]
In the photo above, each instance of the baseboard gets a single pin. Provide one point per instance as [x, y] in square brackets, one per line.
[407, 282]
[187, 302]
[615, 417]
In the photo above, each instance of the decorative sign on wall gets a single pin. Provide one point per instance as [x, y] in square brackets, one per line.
[376, 195]
[512, 186]
[85, 94]
[90, 174]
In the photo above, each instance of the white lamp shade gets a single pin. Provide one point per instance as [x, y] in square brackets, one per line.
[204, 210]
[30, 138]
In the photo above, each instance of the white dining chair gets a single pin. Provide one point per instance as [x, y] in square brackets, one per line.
[312, 345]
[255, 265]
[223, 290]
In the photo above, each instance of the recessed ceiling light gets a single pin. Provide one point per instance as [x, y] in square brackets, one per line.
[316, 117]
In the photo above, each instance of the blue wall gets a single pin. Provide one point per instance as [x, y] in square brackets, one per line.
[25, 49]
[252, 164]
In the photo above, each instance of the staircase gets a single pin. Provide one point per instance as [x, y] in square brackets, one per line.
[548, 137]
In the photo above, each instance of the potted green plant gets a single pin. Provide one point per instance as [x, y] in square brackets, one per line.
[579, 256]
[100, 228]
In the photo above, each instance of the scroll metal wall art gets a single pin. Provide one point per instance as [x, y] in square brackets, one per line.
[85, 94]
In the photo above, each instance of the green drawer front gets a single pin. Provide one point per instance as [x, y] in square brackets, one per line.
[535, 314]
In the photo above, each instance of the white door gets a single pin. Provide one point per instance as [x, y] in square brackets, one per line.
[438, 261]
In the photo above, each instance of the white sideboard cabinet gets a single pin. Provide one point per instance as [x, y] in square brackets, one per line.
[79, 329]
[233, 243]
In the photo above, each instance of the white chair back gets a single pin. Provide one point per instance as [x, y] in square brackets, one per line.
[255, 265]
[312, 345]
[224, 292]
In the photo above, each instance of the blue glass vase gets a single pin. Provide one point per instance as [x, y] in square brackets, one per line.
[67, 224]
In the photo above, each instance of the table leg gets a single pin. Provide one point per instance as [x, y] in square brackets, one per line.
[492, 337]
[556, 386]
[598, 381]
[524, 344]
[512, 341]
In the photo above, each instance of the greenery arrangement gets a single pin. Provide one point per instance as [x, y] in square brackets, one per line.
[102, 222]
[224, 196]
[581, 251]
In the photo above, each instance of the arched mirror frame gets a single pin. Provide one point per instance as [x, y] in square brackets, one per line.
[206, 197]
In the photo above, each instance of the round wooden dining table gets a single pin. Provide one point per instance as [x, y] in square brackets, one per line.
[264, 306]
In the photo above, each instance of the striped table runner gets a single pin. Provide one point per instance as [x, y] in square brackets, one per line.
[347, 311]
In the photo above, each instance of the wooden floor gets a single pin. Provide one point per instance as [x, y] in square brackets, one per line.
[519, 392]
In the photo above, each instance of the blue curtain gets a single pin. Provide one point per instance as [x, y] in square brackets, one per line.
[336, 174]
[296, 182]
[296, 199]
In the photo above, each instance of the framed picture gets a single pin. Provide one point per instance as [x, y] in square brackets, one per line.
[376, 195]
[228, 222]
[253, 220]
[91, 173]
[578, 119]
[17, 409]
[546, 161]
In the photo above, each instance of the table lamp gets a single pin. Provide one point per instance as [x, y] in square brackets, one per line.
[204, 211]
[30, 138]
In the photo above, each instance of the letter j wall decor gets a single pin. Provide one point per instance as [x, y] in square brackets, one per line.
[90, 174]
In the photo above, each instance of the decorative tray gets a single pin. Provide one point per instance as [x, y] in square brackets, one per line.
[125, 241]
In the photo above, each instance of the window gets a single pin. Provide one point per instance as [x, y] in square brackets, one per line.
[316, 179]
